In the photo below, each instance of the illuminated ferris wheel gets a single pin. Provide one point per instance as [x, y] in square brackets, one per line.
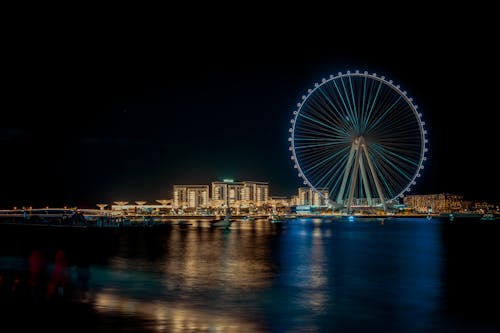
[358, 139]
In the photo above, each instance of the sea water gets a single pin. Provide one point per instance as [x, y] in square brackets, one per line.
[303, 275]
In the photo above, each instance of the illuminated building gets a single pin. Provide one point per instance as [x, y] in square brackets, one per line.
[190, 196]
[437, 203]
[308, 197]
[239, 193]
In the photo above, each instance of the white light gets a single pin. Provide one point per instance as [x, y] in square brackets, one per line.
[300, 175]
[418, 175]
[289, 139]
[309, 91]
[295, 166]
[416, 107]
[390, 81]
[299, 104]
[398, 86]
[316, 85]
[423, 123]
[426, 141]
[348, 72]
[357, 71]
[305, 183]
[425, 131]
[331, 76]
[382, 77]
[404, 93]
[425, 158]
[303, 97]
[420, 115]
[421, 167]
[290, 130]
[292, 158]
[295, 112]
[290, 148]
[323, 80]
[375, 74]
[292, 121]
[365, 72]
[340, 73]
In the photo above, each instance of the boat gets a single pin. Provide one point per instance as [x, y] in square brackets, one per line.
[458, 216]
[275, 218]
[184, 223]
[225, 223]
[488, 217]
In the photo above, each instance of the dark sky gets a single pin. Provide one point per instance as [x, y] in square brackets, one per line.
[122, 111]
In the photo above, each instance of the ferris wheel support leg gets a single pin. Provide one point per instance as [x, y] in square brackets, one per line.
[375, 178]
[355, 172]
[346, 174]
[365, 181]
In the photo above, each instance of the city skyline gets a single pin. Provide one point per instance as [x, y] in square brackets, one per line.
[96, 121]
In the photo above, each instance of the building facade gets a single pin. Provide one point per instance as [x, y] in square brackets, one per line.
[309, 197]
[436, 203]
[190, 196]
[236, 194]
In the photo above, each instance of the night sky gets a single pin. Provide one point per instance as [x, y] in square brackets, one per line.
[99, 114]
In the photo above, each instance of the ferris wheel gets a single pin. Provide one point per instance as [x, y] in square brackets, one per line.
[358, 139]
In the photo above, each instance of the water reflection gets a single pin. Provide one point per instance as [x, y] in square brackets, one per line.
[316, 275]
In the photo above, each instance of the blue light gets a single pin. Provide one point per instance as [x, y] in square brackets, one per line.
[350, 218]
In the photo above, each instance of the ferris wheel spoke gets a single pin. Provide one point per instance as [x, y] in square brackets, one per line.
[398, 129]
[331, 174]
[384, 114]
[398, 156]
[373, 102]
[384, 182]
[313, 131]
[322, 124]
[351, 111]
[325, 160]
[323, 112]
[350, 116]
[316, 145]
[337, 115]
[355, 111]
[394, 166]
[338, 120]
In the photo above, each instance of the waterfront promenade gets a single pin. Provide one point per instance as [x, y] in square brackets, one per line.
[61, 217]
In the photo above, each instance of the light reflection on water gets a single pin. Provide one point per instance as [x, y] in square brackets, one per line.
[317, 275]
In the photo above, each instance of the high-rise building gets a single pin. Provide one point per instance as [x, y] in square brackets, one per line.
[309, 197]
[190, 196]
[437, 203]
[256, 192]
[239, 193]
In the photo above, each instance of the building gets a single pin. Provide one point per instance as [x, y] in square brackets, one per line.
[436, 203]
[191, 197]
[255, 192]
[309, 197]
[239, 194]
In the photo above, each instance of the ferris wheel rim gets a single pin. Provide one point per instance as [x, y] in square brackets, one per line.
[389, 83]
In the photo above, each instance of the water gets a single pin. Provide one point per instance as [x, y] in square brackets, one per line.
[306, 275]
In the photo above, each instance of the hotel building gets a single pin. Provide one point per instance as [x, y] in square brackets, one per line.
[239, 193]
[190, 196]
[437, 203]
[308, 197]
